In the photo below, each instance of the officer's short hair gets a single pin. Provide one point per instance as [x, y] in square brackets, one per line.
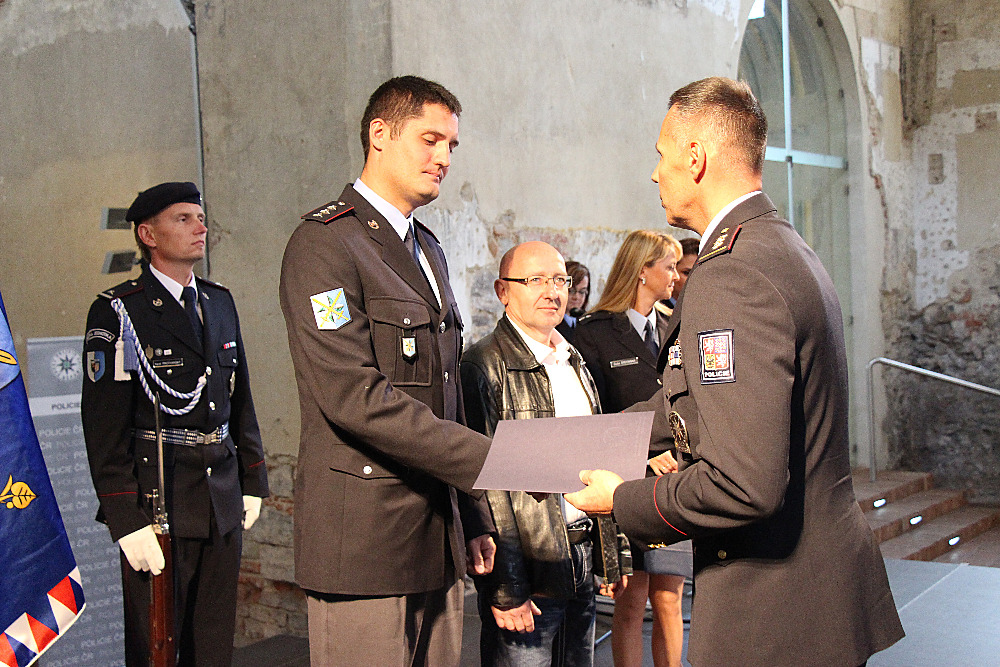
[730, 109]
[401, 98]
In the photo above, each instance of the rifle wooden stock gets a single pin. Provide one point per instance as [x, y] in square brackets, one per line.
[161, 609]
[161, 587]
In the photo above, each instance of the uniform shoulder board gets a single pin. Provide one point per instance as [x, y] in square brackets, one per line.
[426, 229]
[124, 289]
[596, 315]
[211, 283]
[722, 244]
[328, 212]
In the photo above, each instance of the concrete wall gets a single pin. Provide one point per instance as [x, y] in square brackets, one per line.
[98, 103]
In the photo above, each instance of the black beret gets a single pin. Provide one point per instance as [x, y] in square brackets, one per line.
[152, 201]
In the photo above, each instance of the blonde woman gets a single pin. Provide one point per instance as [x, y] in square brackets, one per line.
[620, 339]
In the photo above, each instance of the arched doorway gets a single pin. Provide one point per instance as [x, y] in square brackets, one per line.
[795, 59]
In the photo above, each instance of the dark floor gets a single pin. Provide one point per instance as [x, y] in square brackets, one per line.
[949, 611]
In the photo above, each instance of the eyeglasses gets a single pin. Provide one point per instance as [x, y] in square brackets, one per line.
[583, 291]
[539, 282]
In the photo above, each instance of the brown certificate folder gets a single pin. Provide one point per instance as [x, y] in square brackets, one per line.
[547, 455]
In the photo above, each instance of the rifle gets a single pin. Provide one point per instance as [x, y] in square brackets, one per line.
[161, 587]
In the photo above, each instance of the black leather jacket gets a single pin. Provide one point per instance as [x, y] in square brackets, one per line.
[502, 379]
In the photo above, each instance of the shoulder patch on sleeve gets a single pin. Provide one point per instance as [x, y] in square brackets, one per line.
[722, 244]
[328, 212]
[330, 309]
[715, 351]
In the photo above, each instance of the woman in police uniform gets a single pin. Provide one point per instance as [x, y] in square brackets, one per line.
[619, 340]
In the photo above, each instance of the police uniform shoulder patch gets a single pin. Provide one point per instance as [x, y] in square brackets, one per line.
[330, 309]
[328, 212]
[99, 334]
[722, 244]
[715, 350]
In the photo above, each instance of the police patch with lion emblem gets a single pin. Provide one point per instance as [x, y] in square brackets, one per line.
[715, 350]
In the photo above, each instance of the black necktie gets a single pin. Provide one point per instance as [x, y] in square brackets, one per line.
[190, 298]
[651, 340]
[411, 244]
[410, 241]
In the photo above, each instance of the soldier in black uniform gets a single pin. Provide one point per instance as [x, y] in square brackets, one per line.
[170, 333]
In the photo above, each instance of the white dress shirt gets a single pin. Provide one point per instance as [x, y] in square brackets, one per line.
[569, 396]
[402, 225]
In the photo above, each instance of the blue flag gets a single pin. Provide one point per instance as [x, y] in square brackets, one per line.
[40, 593]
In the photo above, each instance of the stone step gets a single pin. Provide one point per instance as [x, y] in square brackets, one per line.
[889, 485]
[982, 550]
[908, 513]
[931, 538]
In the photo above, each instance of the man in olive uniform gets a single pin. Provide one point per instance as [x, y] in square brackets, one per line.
[178, 336]
[384, 462]
[787, 571]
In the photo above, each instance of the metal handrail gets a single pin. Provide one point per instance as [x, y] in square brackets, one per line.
[919, 371]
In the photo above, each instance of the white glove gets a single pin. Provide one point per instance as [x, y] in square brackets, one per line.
[142, 550]
[251, 510]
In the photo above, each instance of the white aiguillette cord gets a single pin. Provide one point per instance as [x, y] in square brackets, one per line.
[126, 327]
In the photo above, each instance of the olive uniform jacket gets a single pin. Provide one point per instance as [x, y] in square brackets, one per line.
[382, 448]
[787, 571]
[204, 482]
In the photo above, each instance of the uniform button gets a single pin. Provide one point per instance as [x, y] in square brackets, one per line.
[442, 327]
[406, 321]
[211, 405]
[659, 381]
[208, 471]
[208, 371]
[722, 554]
[367, 470]
[145, 459]
[170, 371]
[446, 376]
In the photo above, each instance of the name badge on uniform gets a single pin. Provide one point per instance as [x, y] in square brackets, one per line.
[618, 363]
[679, 430]
[717, 363]
[674, 356]
[409, 345]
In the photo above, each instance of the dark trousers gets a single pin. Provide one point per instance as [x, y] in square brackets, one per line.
[206, 572]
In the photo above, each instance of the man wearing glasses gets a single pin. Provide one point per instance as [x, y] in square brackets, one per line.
[537, 605]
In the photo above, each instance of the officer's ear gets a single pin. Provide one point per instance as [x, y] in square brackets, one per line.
[145, 233]
[379, 132]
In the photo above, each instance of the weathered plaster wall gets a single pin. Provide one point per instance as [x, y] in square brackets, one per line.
[941, 278]
[97, 103]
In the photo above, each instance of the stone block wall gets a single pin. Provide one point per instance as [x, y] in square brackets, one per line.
[941, 289]
[270, 602]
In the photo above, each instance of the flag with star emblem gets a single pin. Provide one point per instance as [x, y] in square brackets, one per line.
[41, 595]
